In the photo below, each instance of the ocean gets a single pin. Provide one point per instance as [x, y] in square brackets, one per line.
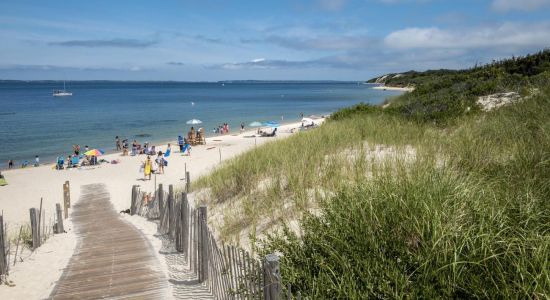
[33, 122]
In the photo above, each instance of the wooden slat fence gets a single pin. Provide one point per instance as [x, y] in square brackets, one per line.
[229, 271]
[4, 262]
[40, 231]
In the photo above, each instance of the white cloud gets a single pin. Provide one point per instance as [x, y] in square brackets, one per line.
[515, 35]
[526, 5]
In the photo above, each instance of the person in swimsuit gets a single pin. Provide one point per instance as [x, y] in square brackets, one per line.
[147, 170]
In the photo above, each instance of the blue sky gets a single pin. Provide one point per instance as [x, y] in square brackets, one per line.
[213, 40]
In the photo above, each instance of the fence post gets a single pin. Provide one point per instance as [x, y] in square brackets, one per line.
[185, 223]
[203, 244]
[3, 260]
[133, 200]
[179, 224]
[68, 189]
[59, 224]
[272, 278]
[160, 197]
[34, 229]
[66, 200]
[171, 215]
[187, 181]
[39, 229]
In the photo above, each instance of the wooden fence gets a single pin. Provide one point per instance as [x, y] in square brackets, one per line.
[40, 231]
[229, 272]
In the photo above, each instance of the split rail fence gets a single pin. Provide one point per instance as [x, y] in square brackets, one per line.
[229, 272]
[38, 230]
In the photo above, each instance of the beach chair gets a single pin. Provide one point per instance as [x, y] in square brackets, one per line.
[74, 161]
[191, 138]
[202, 138]
[60, 163]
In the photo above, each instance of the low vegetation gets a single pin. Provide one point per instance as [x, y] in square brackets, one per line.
[443, 95]
[392, 206]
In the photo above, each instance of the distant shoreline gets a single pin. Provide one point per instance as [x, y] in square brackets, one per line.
[47, 161]
[393, 88]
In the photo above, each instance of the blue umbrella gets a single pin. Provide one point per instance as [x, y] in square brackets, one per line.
[271, 124]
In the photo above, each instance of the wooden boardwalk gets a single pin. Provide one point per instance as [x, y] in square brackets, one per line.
[112, 259]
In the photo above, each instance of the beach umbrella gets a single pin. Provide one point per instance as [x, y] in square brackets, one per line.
[194, 121]
[271, 124]
[255, 124]
[94, 152]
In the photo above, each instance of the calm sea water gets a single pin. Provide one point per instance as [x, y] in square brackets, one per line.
[32, 122]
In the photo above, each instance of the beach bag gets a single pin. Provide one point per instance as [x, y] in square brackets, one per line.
[165, 162]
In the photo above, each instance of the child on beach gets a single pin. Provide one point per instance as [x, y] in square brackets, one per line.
[160, 163]
[147, 170]
[117, 143]
[125, 147]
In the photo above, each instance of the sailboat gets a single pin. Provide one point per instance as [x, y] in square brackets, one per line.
[63, 92]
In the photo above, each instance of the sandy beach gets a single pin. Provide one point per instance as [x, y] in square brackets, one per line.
[393, 88]
[27, 186]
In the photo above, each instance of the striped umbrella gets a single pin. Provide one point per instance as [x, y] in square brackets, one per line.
[94, 152]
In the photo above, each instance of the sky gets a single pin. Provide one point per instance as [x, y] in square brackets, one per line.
[211, 40]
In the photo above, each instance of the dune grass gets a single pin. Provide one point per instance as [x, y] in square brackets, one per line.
[282, 179]
[468, 217]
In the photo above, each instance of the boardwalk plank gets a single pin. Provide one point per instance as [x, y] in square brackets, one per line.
[112, 260]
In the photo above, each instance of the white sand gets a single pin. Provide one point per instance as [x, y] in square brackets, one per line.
[36, 277]
[393, 88]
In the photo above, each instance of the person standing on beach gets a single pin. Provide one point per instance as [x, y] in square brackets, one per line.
[180, 142]
[36, 161]
[148, 168]
[76, 149]
[134, 148]
[160, 163]
[10, 164]
[117, 143]
[242, 127]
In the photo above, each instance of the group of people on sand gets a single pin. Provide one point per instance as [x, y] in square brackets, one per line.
[24, 163]
[157, 165]
[222, 129]
[77, 158]
[121, 145]
[184, 145]
[146, 148]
